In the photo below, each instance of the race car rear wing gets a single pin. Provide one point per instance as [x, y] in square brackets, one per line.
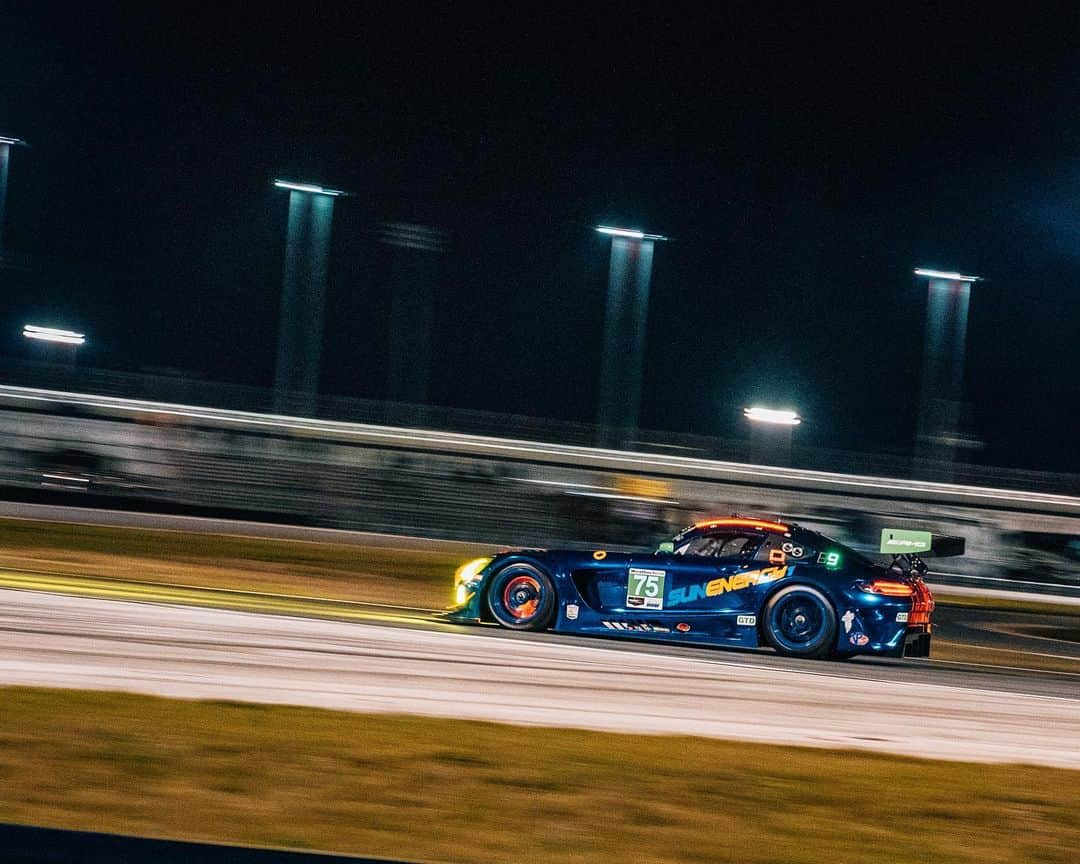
[896, 541]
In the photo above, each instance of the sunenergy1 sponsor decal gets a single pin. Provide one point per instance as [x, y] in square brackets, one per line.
[716, 587]
[645, 588]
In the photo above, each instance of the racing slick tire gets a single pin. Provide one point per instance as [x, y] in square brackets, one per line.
[522, 597]
[800, 621]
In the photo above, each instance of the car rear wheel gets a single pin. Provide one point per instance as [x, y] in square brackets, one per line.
[522, 597]
[800, 621]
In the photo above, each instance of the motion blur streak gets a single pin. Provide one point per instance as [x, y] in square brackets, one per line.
[65, 447]
[62, 641]
[489, 446]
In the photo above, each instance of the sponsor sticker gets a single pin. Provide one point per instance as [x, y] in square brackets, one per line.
[716, 587]
[847, 618]
[635, 627]
[859, 639]
[794, 550]
[572, 611]
[901, 617]
[747, 620]
[599, 555]
[898, 542]
[682, 627]
[645, 588]
[829, 559]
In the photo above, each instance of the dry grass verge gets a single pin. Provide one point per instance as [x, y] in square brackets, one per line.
[409, 577]
[460, 791]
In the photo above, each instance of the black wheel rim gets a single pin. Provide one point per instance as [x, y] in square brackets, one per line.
[798, 621]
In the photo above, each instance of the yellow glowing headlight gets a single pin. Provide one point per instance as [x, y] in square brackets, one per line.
[467, 573]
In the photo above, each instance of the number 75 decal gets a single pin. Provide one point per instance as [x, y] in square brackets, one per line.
[645, 588]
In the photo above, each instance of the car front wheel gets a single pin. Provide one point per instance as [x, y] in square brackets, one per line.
[522, 597]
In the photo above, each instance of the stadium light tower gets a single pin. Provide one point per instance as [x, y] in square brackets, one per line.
[772, 416]
[771, 433]
[5, 156]
[937, 433]
[303, 296]
[622, 358]
[53, 334]
[54, 344]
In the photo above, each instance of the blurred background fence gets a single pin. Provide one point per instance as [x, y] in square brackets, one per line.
[159, 444]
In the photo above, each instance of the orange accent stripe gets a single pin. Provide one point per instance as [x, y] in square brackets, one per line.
[744, 523]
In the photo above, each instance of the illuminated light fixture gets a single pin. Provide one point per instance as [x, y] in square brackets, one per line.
[941, 274]
[889, 588]
[744, 523]
[14, 142]
[631, 233]
[468, 573]
[309, 187]
[778, 416]
[53, 334]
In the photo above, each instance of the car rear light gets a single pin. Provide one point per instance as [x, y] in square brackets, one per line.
[922, 604]
[889, 588]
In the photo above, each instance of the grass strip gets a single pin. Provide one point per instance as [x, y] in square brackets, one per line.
[959, 652]
[445, 790]
[1006, 604]
[374, 574]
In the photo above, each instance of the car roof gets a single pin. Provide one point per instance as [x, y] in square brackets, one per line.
[739, 522]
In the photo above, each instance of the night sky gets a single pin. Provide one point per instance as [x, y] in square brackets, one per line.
[803, 164]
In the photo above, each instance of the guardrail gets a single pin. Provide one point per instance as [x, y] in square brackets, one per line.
[564, 455]
[215, 394]
[27, 844]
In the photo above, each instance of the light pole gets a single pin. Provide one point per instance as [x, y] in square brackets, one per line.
[303, 296]
[53, 334]
[771, 432]
[5, 156]
[58, 344]
[937, 433]
[413, 257]
[625, 315]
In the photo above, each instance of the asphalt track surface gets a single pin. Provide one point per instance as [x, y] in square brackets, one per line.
[394, 659]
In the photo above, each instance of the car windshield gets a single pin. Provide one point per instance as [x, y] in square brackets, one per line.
[720, 545]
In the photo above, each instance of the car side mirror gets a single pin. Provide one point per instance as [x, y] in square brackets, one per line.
[665, 548]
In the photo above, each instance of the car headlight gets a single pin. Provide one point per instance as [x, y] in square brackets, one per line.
[470, 572]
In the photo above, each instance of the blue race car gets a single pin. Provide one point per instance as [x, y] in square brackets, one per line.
[733, 581]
